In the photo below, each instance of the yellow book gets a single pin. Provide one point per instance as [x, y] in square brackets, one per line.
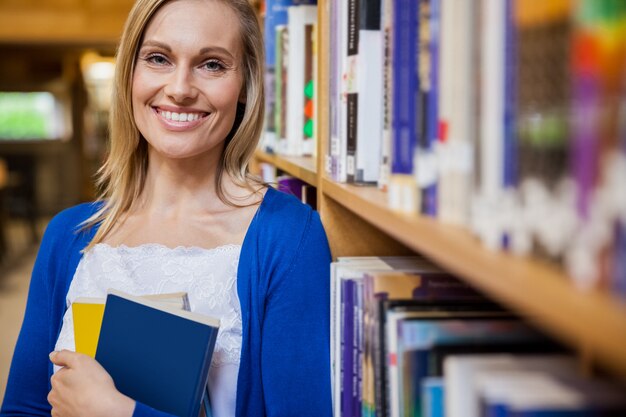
[88, 312]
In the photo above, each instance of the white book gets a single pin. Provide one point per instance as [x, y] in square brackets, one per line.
[370, 106]
[457, 88]
[300, 17]
[461, 372]
[385, 150]
[485, 220]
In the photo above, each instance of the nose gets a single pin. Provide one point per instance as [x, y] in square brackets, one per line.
[180, 87]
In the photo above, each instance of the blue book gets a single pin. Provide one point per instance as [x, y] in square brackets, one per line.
[157, 355]
[347, 363]
[433, 392]
[429, 192]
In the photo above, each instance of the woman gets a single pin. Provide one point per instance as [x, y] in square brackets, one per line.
[179, 212]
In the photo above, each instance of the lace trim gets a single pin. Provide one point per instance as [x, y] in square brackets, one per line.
[209, 276]
[159, 247]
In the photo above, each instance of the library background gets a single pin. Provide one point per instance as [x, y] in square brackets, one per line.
[468, 160]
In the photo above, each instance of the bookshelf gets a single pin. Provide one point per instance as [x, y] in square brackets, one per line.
[296, 166]
[359, 222]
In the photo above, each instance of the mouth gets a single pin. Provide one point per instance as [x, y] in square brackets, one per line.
[180, 117]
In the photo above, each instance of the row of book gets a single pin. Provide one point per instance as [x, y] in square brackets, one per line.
[398, 322]
[291, 60]
[507, 117]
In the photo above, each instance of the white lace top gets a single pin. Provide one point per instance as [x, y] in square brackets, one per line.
[209, 276]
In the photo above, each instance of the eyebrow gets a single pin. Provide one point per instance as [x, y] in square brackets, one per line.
[203, 51]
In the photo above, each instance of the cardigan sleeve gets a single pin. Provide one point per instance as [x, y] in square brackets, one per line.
[295, 349]
[28, 384]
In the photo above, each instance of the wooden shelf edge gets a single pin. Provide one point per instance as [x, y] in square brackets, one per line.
[303, 167]
[540, 292]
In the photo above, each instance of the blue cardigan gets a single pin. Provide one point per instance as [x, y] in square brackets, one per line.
[283, 288]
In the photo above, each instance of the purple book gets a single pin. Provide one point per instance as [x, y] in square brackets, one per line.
[405, 86]
[347, 338]
[291, 185]
[429, 193]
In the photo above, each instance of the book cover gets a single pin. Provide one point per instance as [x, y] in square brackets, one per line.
[155, 354]
[87, 315]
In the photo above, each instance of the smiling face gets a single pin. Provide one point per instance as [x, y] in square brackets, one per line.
[187, 79]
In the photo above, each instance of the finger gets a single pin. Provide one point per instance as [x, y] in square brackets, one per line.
[63, 358]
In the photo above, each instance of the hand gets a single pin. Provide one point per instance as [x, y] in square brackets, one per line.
[83, 388]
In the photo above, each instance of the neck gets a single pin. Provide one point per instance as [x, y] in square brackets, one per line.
[174, 185]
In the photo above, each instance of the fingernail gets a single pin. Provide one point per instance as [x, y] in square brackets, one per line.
[52, 355]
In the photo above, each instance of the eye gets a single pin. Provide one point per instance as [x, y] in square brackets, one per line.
[156, 59]
[214, 65]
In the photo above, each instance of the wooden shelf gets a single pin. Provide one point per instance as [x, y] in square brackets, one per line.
[592, 322]
[299, 167]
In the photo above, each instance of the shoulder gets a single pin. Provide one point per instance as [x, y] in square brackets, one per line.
[70, 220]
[66, 226]
[284, 221]
[282, 216]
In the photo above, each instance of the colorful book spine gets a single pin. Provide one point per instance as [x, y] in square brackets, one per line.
[403, 192]
[301, 19]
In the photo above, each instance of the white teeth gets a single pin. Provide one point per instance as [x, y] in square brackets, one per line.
[180, 117]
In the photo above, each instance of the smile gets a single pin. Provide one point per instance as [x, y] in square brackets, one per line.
[179, 120]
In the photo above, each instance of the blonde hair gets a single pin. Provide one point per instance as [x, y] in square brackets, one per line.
[122, 177]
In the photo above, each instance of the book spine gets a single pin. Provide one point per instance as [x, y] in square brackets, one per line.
[308, 94]
[357, 347]
[332, 154]
[343, 79]
[280, 116]
[491, 131]
[387, 29]
[370, 93]
[433, 393]
[378, 360]
[350, 87]
[430, 38]
[347, 389]
[403, 190]
[510, 98]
